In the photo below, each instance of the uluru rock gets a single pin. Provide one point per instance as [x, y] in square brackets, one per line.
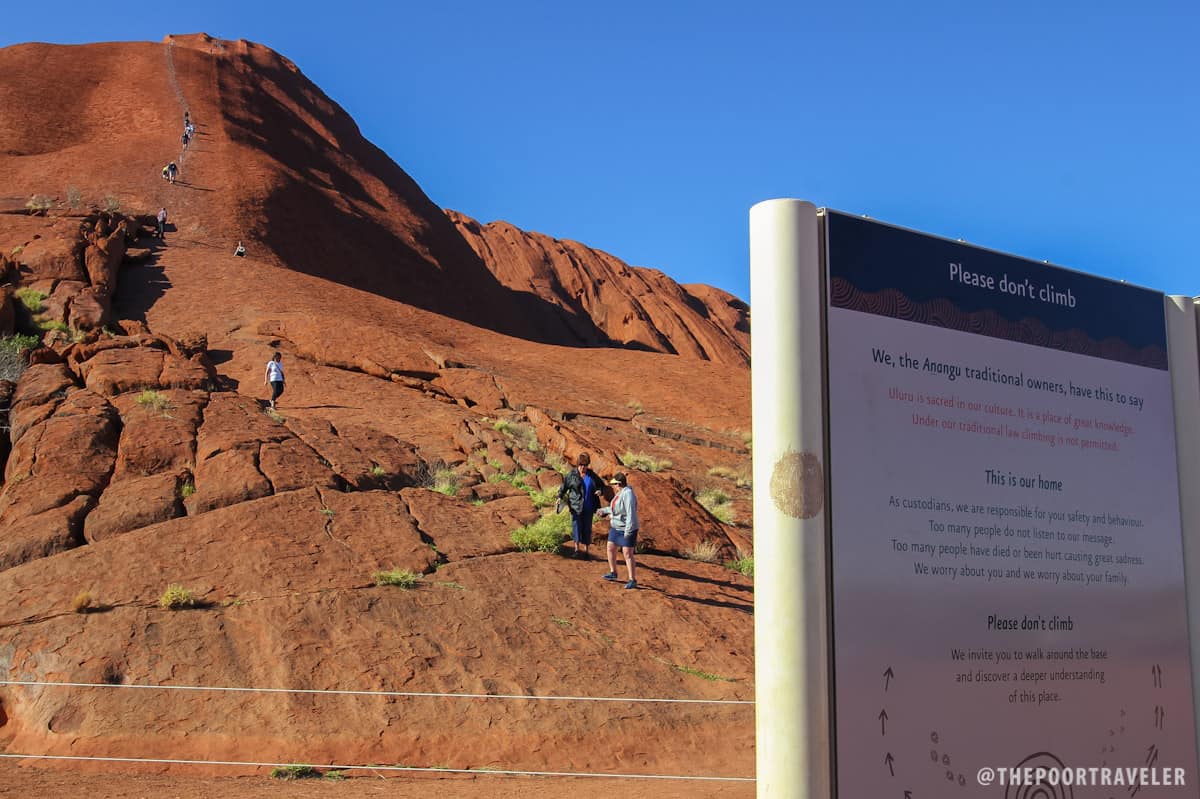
[598, 299]
[134, 503]
[417, 348]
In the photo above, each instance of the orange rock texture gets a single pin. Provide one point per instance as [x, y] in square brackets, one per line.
[440, 376]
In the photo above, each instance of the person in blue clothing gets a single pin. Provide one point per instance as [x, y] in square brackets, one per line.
[583, 492]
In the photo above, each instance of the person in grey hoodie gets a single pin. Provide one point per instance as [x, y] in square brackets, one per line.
[625, 526]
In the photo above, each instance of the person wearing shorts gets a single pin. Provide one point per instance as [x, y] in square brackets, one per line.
[624, 530]
[274, 377]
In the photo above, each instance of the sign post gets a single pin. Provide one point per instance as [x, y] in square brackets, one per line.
[968, 518]
[790, 554]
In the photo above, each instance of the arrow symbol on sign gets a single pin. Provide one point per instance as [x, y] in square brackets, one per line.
[1159, 716]
[887, 677]
[1156, 673]
[1152, 755]
[889, 760]
[908, 795]
[883, 717]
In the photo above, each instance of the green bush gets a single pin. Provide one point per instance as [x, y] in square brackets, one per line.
[401, 578]
[742, 563]
[187, 489]
[53, 324]
[74, 198]
[547, 534]
[543, 499]
[643, 462]
[294, 773]
[516, 479]
[20, 342]
[32, 299]
[153, 400]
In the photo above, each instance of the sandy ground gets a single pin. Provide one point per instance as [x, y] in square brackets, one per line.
[18, 781]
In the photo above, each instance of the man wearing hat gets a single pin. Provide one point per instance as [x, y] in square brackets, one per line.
[625, 525]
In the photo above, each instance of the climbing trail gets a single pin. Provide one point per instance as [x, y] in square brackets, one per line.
[173, 78]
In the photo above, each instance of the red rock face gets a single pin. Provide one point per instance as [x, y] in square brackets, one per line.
[598, 300]
[440, 375]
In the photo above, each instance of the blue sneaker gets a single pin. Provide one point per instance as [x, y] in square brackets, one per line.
[611, 576]
[631, 584]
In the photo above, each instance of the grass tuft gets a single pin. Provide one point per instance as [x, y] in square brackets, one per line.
[378, 471]
[643, 462]
[153, 400]
[32, 299]
[38, 204]
[543, 499]
[20, 342]
[703, 551]
[187, 489]
[47, 325]
[176, 597]
[83, 602]
[522, 434]
[295, 773]
[716, 502]
[401, 578]
[739, 477]
[704, 675]
[547, 534]
[445, 481]
[743, 563]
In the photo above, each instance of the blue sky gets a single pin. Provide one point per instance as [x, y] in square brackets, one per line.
[1065, 131]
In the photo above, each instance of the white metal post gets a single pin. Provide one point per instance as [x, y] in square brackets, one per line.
[791, 604]
[1183, 356]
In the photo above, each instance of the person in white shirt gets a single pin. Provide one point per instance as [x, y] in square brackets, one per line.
[274, 377]
[625, 526]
